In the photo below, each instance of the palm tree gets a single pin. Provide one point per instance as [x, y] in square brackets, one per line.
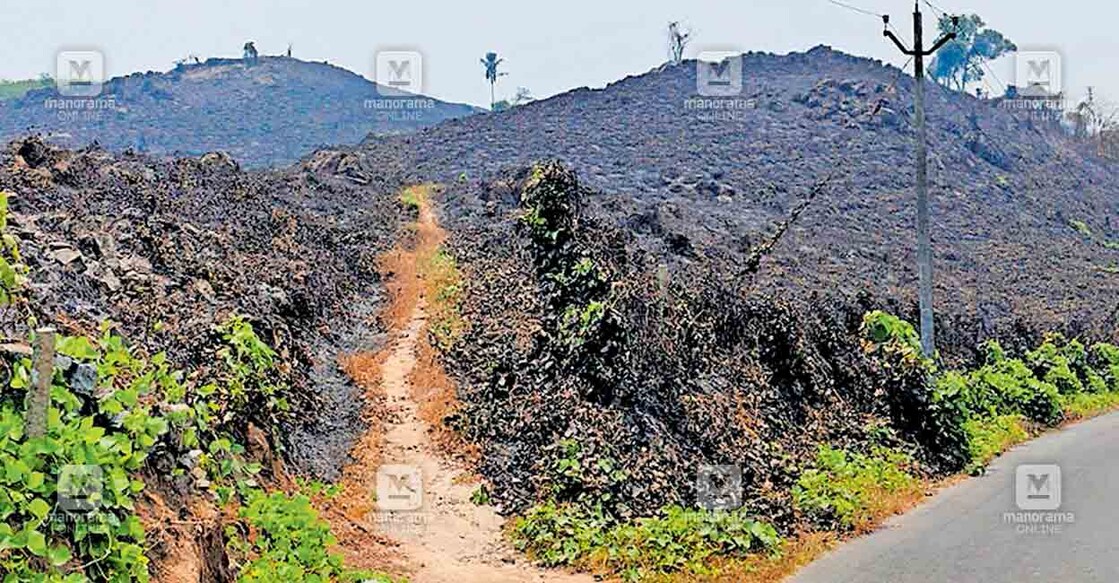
[490, 63]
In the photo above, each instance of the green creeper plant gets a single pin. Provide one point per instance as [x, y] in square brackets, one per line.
[285, 540]
[677, 540]
[844, 486]
[12, 270]
[66, 499]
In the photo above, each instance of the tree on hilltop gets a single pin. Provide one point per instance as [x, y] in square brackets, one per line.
[678, 39]
[962, 60]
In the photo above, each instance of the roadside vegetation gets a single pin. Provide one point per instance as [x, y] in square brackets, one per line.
[855, 491]
[1003, 402]
[678, 540]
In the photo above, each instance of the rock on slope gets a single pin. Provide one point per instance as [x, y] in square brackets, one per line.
[1009, 198]
[270, 112]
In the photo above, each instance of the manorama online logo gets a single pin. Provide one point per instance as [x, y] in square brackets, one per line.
[399, 72]
[718, 73]
[719, 487]
[1039, 70]
[1038, 495]
[79, 73]
[719, 88]
[400, 488]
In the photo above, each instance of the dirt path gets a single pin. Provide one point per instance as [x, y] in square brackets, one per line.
[423, 500]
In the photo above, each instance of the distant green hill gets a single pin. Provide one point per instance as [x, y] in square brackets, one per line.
[14, 89]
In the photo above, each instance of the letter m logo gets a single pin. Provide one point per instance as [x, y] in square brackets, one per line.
[1040, 69]
[1037, 487]
[80, 73]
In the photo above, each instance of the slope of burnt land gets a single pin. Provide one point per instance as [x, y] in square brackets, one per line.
[582, 347]
[1025, 224]
[169, 250]
[269, 112]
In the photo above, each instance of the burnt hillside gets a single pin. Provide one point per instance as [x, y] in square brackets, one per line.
[271, 112]
[1025, 224]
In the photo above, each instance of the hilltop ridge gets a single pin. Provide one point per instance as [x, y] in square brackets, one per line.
[267, 113]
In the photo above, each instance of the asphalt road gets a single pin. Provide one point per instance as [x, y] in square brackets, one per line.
[963, 534]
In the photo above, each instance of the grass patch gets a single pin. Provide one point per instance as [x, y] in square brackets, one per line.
[990, 436]
[443, 291]
[1084, 405]
[415, 197]
[678, 541]
[855, 490]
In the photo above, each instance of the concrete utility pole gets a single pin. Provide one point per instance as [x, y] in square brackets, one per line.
[39, 394]
[924, 245]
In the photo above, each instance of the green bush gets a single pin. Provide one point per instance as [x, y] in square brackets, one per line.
[1105, 358]
[1059, 379]
[679, 540]
[550, 201]
[1002, 386]
[287, 541]
[891, 335]
[973, 408]
[245, 386]
[853, 489]
[99, 436]
[250, 384]
[923, 412]
[1055, 360]
[1009, 387]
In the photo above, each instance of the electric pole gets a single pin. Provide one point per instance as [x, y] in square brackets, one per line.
[924, 245]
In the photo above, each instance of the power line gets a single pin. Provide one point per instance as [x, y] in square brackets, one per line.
[890, 27]
[855, 8]
[935, 8]
[993, 74]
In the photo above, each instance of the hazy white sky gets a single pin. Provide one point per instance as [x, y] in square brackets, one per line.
[548, 47]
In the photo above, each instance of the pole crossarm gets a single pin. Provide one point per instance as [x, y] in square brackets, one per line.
[940, 43]
[917, 49]
[901, 46]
